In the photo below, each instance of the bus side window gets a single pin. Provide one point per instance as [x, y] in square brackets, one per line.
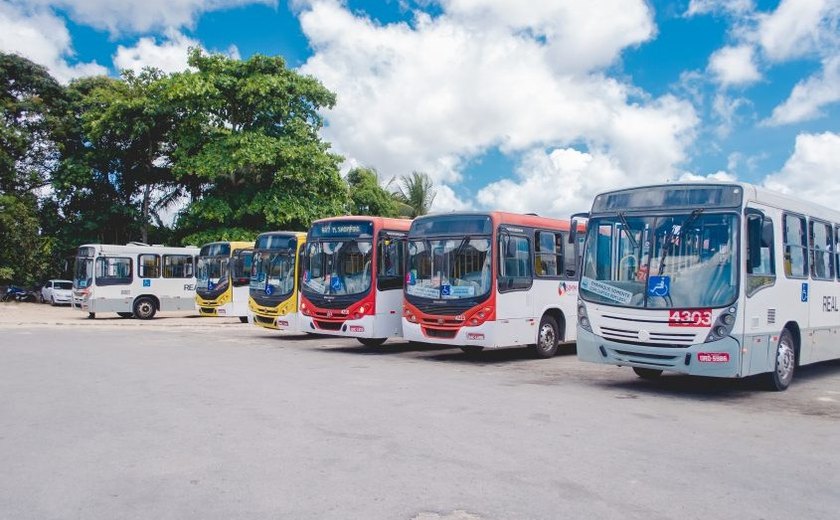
[761, 260]
[822, 259]
[177, 266]
[796, 247]
[549, 257]
[148, 266]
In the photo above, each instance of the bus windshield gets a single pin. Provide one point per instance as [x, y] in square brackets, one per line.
[676, 261]
[212, 272]
[449, 268]
[83, 272]
[273, 273]
[338, 267]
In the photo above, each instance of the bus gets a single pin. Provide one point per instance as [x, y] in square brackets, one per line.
[491, 280]
[722, 280]
[223, 275]
[353, 278]
[275, 275]
[134, 280]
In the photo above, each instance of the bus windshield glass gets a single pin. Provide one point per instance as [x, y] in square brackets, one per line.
[338, 267]
[449, 268]
[681, 261]
[212, 272]
[83, 272]
[273, 273]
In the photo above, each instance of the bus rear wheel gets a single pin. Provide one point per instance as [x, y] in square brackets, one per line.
[243, 319]
[372, 342]
[647, 373]
[781, 376]
[548, 338]
[144, 308]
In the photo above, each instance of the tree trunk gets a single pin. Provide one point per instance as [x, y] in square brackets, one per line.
[147, 196]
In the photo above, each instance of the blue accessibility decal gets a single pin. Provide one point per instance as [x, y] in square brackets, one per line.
[147, 283]
[659, 285]
[804, 295]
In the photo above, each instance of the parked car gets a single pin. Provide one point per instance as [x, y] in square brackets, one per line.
[57, 292]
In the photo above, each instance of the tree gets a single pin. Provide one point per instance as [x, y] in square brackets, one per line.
[368, 197]
[416, 193]
[248, 148]
[31, 102]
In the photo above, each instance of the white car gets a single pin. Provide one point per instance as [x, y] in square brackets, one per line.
[57, 291]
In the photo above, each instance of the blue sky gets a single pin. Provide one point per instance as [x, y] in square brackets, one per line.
[527, 106]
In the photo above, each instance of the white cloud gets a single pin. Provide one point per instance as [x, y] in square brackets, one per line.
[169, 56]
[699, 7]
[811, 171]
[810, 95]
[435, 93]
[734, 66]
[42, 37]
[799, 27]
[557, 183]
[718, 176]
[118, 16]
[725, 110]
[447, 200]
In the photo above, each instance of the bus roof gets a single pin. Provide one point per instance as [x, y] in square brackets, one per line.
[395, 224]
[515, 219]
[240, 244]
[296, 234]
[139, 249]
[751, 192]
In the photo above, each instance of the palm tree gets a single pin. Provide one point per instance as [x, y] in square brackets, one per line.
[415, 194]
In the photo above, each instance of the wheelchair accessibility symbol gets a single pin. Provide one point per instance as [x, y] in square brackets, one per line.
[659, 286]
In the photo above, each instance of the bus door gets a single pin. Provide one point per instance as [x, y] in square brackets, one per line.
[761, 299]
[515, 278]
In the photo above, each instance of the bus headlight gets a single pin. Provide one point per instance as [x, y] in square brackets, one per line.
[583, 316]
[723, 325]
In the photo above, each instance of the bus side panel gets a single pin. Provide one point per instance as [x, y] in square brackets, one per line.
[824, 302]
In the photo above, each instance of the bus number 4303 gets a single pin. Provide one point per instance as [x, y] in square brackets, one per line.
[692, 318]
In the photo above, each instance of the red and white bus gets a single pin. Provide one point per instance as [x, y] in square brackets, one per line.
[353, 271]
[491, 280]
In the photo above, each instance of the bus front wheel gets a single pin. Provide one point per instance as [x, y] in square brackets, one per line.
[547, 338]
[647, 373]
[372, 342]
[781, 376]
[144, 308]
[243, 319]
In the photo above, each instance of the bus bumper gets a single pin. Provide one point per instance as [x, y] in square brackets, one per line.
[364, 327]
[480, 336]
[714, 359]
[209, 308]
[288, 322]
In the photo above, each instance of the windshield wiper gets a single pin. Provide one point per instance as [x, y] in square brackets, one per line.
[673, 236]
[462, 245]
[627, 230]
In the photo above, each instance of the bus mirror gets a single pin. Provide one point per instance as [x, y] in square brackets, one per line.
[573, 226]
[755, 224]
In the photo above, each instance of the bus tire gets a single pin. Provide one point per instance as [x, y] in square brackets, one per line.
[243, 319]
[548, 338]
[647, 373]
[144, 308]
[125, 315]
[471, 350]
[780, 378]
[372, 342]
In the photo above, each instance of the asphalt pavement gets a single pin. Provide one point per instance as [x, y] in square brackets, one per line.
[210, 419]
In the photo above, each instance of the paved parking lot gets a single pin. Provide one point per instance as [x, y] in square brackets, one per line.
[205, 418]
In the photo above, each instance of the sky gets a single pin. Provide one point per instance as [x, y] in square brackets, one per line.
[521, 105]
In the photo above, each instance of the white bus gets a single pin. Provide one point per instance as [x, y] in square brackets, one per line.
[134, 280]
[491, 280]
[723, 280]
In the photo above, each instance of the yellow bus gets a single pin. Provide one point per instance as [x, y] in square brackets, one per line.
[222, 279]
[275, 280]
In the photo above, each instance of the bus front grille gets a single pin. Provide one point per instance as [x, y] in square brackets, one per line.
[439, 333]
[655, 339]
[328, 325]
[264, 319]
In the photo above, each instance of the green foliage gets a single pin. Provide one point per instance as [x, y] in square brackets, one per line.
[415, 193]
[368, 197]
[25, 255]
[248, 146]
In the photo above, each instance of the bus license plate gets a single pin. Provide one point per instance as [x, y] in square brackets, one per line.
[690, 318]
[713, 357]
